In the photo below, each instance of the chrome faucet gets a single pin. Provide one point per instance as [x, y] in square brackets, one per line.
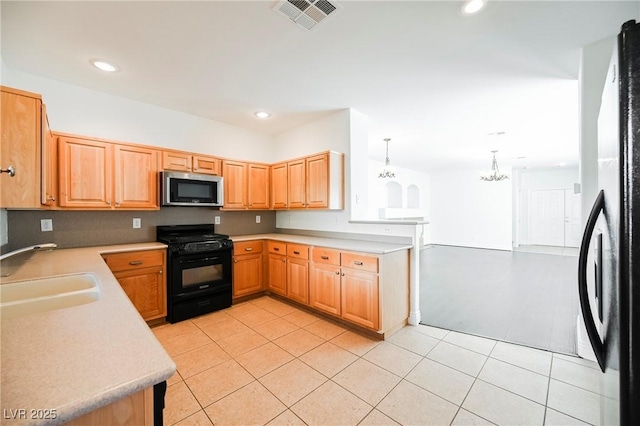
[30, 248]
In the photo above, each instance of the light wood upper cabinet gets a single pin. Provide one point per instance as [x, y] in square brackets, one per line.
[258, 186]
[207, 165]
[316, 182]
[49, 187]
[246, 185]
[188, 162]
[103, 175]
[86, 173]
[178, 161]
[279, 181]
[23, 124]
[136, 182]
[235, 184]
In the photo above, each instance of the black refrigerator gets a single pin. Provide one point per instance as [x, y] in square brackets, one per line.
[609, 261]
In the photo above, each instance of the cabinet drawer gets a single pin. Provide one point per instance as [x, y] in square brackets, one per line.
[325, 255]
[277, 247]
[134, 260]
[298, 251]
[360, 261]
[247, 247]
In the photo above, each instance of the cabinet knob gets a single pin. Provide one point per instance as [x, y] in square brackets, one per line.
[11, 170]
[50, 198]
[342, 274]
[284, 260]
[160, 271]
[108, 203]
[338, 273]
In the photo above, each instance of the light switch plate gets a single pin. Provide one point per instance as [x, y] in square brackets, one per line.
[216, 220]
[257, 218]
[137, 222]
[46, 225]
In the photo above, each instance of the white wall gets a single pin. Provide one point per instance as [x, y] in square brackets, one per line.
[74, 109]
[530, 180]
[405, 177]
[468, 212]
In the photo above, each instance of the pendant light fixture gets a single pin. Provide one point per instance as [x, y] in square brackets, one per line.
[495, 175]
[387, 171]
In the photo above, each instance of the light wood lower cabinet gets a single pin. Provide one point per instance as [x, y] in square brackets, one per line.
[141, 275]
[277, 267]
[359, 298]
[247, 268]
[324, 288]
[133, 410]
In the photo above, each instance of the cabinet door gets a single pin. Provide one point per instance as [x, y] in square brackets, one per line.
[146, 289]
[278, 274]
[235, 184]
[247, 274]
[318, 181]
[296, 184]
[324, 288]
[258, 186]
[49, 190]
[298, 280]
[21, 140]
[207, 165]
[179, 161]
[279, 186]
[360, 298]
[136, 177]
[85, 173]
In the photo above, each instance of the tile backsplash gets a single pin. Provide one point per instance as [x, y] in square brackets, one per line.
[92, 228]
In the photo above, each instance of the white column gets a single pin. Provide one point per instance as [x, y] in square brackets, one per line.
[414, 277]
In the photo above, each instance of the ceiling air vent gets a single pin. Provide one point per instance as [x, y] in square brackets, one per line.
[307, 13]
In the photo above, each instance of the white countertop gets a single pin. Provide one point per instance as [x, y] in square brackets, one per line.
[77, 359]
[374, 247]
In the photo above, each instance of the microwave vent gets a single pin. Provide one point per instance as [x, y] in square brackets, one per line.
[307, 13]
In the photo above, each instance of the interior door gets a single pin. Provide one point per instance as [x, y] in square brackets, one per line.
[572, 219]
[546, 215]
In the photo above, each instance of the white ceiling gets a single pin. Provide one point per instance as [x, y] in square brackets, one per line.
[432, 80]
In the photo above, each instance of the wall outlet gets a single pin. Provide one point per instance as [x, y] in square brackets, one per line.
[257, 218]
[137, 222]
[387, 229]
[216, 220]
[46, 225]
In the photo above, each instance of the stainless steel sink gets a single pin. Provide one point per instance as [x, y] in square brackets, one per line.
[47, 294]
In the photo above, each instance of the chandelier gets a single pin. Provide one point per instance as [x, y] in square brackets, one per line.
[387, 171]
[495, 174]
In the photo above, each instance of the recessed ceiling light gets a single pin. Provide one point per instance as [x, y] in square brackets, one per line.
[104, 66]
[473, 6]
[263, 115]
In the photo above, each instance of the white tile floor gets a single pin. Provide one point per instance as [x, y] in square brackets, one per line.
[266, 362]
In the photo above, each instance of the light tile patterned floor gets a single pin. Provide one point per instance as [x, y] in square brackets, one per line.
[267, 362]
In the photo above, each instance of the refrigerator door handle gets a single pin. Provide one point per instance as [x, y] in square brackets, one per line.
[587, 315]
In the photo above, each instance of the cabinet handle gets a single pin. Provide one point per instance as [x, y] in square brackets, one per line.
[248, 249]
[324, 257]
[276, 249]
[296, 252]
[357, 262]
[11, 170]
[136, 262]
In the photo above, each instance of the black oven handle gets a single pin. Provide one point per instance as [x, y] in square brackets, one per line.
[199, 260]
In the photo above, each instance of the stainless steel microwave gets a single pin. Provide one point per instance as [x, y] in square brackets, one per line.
[190, 189]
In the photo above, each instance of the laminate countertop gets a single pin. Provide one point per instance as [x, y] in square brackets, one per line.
[374, 247]
[77, 359]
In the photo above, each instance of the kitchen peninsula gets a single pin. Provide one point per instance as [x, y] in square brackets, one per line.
[67, 363]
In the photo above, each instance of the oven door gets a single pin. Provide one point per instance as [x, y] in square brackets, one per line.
[199, 274]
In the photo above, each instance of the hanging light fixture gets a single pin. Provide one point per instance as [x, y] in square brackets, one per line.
[387, 171]
[495, 175]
